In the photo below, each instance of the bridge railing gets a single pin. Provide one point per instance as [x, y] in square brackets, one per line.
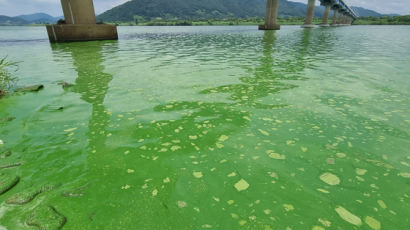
[341, 6]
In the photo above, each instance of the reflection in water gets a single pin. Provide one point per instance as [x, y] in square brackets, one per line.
[92, 84]
[269, 76]
[265, 80]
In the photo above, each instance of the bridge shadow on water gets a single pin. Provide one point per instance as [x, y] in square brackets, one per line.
[165, 152]
[92, 84]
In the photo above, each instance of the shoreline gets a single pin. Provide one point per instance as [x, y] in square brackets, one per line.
[396, 20]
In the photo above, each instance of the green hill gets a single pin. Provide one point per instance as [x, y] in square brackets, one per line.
[362, 12]
[199, 9]
[39, 18]
[8, 21]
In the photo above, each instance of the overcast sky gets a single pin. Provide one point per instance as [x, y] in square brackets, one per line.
[52, 7]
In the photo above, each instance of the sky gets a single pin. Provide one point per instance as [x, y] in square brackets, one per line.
[52, 7]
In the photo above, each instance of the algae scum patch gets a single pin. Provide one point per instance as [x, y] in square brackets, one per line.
[208, 128]
[46, 218]
[7, 182]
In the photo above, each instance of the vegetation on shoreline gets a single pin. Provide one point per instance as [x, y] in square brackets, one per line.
[194, 10]
[139, 21]
[385, 20]
[7, 80]
[215, 22]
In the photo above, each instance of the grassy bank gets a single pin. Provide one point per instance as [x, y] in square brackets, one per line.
[7, 80]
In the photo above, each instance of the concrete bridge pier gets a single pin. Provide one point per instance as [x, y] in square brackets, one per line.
[334, 19]
[325, 21]
[80, 24]
[343, 20]
[271, 16]
[339, 19]
[309, 14]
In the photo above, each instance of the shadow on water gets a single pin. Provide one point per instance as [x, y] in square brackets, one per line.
[92, 84]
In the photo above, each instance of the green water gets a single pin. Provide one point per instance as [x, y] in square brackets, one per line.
[212, 128]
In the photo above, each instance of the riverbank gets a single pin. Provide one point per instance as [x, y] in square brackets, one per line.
[396, 20]
[215, 22]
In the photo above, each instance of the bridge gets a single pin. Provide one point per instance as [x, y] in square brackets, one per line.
[81, 24]
[342, 14]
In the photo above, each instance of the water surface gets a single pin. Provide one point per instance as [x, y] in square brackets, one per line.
[212, 128]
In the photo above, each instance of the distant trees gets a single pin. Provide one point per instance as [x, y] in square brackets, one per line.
[138, 19]
[384, 20]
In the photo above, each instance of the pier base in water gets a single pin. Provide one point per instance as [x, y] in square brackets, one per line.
[81, 32]
[269, 27]
[324, 25]
[308, 26]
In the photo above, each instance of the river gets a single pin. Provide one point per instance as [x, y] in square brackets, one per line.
[211, 128]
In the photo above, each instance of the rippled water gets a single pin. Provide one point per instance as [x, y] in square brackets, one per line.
[212, 127]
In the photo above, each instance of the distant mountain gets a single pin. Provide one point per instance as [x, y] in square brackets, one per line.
[37, 16]
[200, 9]
[362, 12]
[40, 18]
[186, 9]
[12, 21]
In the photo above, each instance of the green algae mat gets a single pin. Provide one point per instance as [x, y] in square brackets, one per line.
[208, 128]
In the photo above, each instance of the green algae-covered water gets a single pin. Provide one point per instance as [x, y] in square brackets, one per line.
[209, 128]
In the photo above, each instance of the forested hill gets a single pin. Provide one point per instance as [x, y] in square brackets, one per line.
[199, 9]
[6, 21]
[362, 12]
